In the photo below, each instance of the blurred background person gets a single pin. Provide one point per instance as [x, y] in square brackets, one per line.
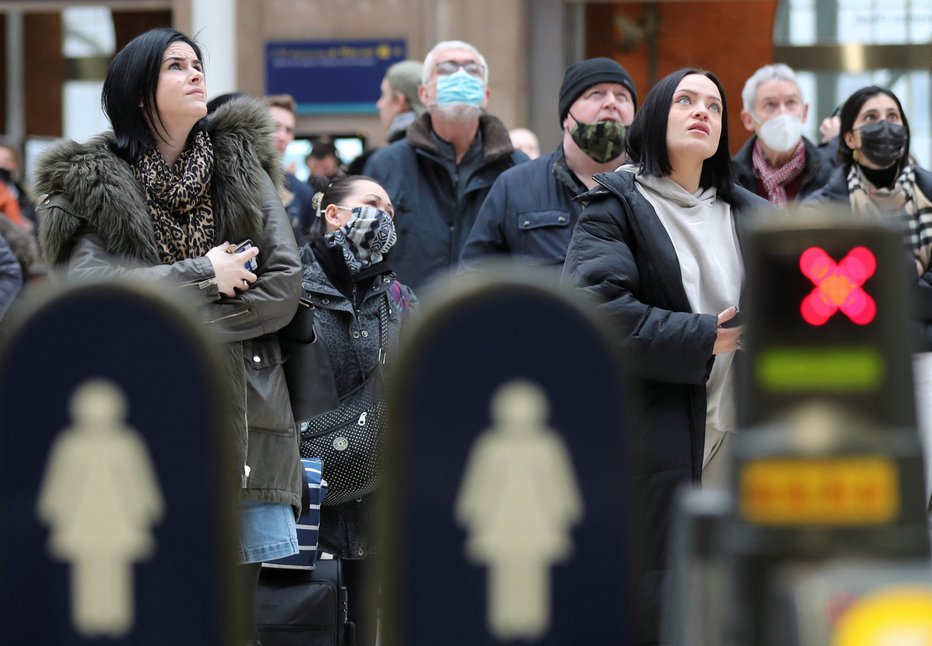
[399, 106]
[525, 141]
[323, 165]
[777, 162]
[11, 174]
[11, 277]
[828, 130]
[296, 195]
[877, 178]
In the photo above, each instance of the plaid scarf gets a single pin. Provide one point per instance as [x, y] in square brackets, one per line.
[776, 179]
[904, 201]
[366, 236]
[178, 198]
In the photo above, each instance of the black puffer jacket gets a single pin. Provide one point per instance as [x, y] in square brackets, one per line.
[622, 256]
[96, 224]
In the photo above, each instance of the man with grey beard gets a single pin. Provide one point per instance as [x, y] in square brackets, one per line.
[440, 173]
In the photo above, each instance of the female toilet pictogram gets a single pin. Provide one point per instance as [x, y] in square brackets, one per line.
[518, 500]
[100, 498]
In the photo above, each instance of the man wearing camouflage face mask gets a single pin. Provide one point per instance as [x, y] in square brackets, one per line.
[531, 210]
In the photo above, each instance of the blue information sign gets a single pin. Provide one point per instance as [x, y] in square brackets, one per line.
[115, 521]
[331, 76]
[505, 496]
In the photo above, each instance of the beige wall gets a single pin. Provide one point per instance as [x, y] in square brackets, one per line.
[496, 27]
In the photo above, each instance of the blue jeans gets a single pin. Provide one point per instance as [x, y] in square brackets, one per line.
[267, 531]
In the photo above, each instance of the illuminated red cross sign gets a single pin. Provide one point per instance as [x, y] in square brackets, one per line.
[838, 286]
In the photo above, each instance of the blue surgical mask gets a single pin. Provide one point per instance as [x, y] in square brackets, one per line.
[460, 88]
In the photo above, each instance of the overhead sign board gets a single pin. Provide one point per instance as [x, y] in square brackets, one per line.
[331, 76]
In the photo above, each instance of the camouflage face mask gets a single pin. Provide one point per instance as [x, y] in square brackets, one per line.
[602, 141]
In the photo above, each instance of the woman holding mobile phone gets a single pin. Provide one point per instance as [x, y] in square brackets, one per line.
[167, 196]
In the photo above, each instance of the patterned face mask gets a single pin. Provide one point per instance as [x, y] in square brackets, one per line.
[365, 238]
[602, 141]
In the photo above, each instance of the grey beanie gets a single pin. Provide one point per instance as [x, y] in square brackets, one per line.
[405, 77]
[582, 75]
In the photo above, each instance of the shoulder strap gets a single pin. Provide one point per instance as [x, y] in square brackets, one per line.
[383, 328]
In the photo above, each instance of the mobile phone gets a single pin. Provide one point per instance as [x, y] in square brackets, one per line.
[251, 264]
[735, 321]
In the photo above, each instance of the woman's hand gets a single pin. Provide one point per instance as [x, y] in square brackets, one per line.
[230, 270]
[727, 338]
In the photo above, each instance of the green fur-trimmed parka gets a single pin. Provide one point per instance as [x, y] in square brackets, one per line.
[95, 224]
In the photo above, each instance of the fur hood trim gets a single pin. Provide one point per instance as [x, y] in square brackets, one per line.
[102, 193]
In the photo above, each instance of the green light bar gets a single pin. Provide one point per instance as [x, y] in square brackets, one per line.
[834, 369]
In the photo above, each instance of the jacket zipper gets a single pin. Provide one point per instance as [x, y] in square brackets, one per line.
[229, 316]
[246, 468]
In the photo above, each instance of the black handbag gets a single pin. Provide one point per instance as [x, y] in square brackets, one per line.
[349, 438]
[308, 372]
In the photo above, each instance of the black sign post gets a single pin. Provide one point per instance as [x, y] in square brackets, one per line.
[505, 505]
[827, 463]
[115, 498]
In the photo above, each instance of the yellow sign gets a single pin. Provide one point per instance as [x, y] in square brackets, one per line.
[894, 616]
[838, 491]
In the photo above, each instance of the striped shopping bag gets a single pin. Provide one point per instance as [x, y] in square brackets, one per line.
[309, 522]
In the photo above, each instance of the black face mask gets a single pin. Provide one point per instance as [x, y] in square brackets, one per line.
[883, 142]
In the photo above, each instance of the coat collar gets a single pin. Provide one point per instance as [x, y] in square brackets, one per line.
[496, 143]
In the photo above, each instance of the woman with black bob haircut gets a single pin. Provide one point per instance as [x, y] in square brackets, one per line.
[657, 248]
[878, 179]
[168, 196]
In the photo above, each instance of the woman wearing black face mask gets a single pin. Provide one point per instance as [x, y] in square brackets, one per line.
[877, 178]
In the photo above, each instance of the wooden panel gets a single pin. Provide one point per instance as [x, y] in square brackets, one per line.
[44, 73]
[731, 38]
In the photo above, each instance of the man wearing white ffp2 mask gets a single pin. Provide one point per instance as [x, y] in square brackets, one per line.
[777, 162]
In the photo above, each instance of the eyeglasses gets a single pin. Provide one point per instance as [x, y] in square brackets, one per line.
[445, 68]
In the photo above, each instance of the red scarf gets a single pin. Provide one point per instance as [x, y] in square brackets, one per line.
[776, 179]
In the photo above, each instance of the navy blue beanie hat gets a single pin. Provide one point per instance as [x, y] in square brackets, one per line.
[582, 75]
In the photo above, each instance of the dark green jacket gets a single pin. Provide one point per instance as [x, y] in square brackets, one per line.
[96, 224]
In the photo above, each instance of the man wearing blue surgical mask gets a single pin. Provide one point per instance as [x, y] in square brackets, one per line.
[777, 162]
[440, 173]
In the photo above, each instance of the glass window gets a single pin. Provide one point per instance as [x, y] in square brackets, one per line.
[821, 24]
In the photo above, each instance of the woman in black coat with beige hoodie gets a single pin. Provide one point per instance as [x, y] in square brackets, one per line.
[658, 249]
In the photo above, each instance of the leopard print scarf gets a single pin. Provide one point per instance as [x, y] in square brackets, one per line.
[178, 198]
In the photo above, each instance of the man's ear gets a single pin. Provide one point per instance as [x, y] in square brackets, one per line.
[748, 121]
[423, 93]
[485, 101]
[805, 112]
